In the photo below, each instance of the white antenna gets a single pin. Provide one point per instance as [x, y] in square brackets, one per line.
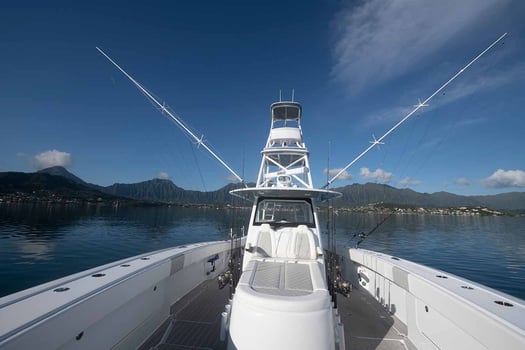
[417, 107]
[280, 95]
[293, 93]
[177, 120]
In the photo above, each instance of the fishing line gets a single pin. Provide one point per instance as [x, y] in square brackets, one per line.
[444, 99]
[175, 118]
[188, 137]
[425, 128]
[416, 109]
[444, 136]
[198, 167]
[438, 93]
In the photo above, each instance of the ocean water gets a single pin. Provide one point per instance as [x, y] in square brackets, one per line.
[42, 242]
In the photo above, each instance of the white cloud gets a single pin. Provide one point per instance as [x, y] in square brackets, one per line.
[407, 181]
[345, 175]
[378, 175]
[163, 175]
[232, 177]
[379, 40]
[505, 178]
[463, 181]
[52, 158]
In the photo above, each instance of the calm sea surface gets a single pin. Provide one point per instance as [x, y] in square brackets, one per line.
[39, 243]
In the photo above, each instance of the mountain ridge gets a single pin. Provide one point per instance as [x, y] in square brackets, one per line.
[164, 190]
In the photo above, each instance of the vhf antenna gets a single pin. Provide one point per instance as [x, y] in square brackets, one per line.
[199, 140]
[417, 107]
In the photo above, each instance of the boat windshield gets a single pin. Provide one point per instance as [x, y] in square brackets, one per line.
[284, 212]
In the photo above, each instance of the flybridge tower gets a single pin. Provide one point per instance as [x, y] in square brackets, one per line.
[285, 157]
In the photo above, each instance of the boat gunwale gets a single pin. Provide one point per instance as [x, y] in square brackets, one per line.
[46, 287]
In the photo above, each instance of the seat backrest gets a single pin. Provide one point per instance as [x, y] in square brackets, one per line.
[295, 243]
[264, 241]
[304, 243]
[284, 244]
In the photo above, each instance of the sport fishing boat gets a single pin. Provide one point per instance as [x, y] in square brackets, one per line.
[275, 286]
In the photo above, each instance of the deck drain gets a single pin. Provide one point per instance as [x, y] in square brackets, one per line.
[467, 287]
[61, 289]
[98, 275]
[395, 258]
[125, 265]
[144, 258]
[441, 276]
[79, 335]
[503, 303]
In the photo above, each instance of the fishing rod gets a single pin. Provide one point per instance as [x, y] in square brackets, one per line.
[362, 235]
[419, 106]
[199, 140]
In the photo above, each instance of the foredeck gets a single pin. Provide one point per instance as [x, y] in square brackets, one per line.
[369, 326]
[195, 322]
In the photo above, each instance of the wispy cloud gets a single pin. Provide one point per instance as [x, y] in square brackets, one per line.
[482, 82]
[52, 158]
[461, 89]
[345, 175]
[163, 175]
[379, 40]
[505, 179]
[462, 181]
[387, 115]
[407, 181]
[378, 175]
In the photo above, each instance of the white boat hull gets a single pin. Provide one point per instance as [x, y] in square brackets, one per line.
[440, 310]
[122, 309]
[119, 310]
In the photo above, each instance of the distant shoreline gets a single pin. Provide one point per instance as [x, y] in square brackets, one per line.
[382, 209]
[412, 210]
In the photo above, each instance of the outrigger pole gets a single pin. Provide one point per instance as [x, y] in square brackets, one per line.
[417, 107]
[177, 120]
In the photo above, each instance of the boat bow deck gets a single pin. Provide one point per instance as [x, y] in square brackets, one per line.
[195, 322]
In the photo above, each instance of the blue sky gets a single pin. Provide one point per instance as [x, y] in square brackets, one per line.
[356, 66]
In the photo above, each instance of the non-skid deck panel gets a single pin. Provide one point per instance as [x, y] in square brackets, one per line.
[280, 278]
[369, 326]
[196, 319]
[196, 322]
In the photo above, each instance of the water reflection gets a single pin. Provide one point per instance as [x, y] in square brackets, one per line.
[39, 243]
[488, 250]
[33, 252]
[45, 242]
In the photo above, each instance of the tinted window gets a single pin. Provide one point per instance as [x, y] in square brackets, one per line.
[284, 212]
